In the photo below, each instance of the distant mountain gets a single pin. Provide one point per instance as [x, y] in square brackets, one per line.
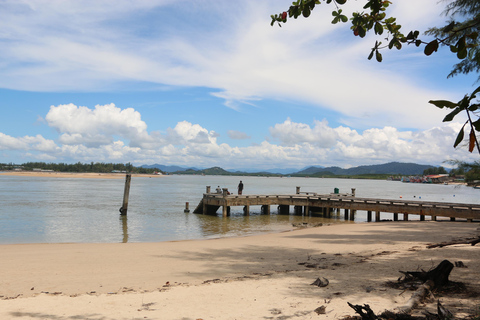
[217, 171]
[275, 170]
[393, 168]
[167, 168]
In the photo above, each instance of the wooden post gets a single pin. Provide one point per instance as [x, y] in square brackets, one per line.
[265, 209]
[284, 209]
[395, 217]
[377, 216]
[246, 210]
[353, 192]
[187, 210]
[298, 190]
[126, 191]
[405, 217]
[208, 189]
[225, 211]
[345, 214]
[352, 215]
[369, 216]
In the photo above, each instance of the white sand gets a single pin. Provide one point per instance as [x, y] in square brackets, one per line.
[257, 277]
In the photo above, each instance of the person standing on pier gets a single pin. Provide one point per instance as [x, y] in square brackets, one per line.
[240, 187]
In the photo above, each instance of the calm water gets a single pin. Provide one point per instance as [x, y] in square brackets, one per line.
[55, 210]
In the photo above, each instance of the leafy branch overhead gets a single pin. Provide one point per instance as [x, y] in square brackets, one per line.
[461, 37]
[463, 105]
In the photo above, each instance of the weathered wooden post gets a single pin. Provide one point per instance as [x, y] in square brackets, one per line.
[208, 189]
[187, 210]
[298, 190]
[353, 192]
[126, 192]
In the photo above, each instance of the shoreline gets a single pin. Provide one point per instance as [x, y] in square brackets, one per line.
[78, 175]
[252, 277]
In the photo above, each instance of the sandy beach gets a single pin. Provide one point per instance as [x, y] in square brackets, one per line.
[80, 175]
[266, 276]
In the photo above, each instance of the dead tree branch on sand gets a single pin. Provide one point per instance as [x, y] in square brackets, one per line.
[433, 279]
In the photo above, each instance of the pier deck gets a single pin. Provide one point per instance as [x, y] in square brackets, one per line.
[307, 203]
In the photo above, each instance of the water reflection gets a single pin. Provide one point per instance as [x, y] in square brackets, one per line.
[124, 223]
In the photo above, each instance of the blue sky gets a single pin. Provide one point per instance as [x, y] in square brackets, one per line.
[210, 83]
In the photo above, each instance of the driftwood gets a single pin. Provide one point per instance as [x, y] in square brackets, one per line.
[366, 313]
[470, 241]
[439, 275]
[431, 280]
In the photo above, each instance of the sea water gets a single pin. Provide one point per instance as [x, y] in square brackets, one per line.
[66, 210]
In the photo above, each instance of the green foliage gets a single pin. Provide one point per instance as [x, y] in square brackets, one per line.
[470, 170]
[468, 105]
[434, 170]
[97, 167]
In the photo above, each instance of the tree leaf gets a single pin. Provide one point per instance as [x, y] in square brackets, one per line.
[378, 56]
[476, 125]
[370, 56]
[451, 115]
[443, 104]
[431, 47]
[459, 137]
[306, 12]
[462, 54]
[378, 28]
[471, 145]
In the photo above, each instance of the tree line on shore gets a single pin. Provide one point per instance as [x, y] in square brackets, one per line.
[96, 167]
[470, 172]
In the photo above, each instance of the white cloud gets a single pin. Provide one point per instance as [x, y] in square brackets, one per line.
[81, 125]
[91, 45]
[237, 135]
[299, 144]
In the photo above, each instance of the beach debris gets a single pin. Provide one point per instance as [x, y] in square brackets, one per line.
[364, 311]
[369, 289]
[460, 264]
[146, 306]
[320, 282]
[212, 281]
[275, 311]
[470, 241]
[321, 310]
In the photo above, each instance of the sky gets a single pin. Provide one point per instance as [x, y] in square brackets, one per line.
[203, 83]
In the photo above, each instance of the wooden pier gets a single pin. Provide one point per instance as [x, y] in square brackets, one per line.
[311, 203]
